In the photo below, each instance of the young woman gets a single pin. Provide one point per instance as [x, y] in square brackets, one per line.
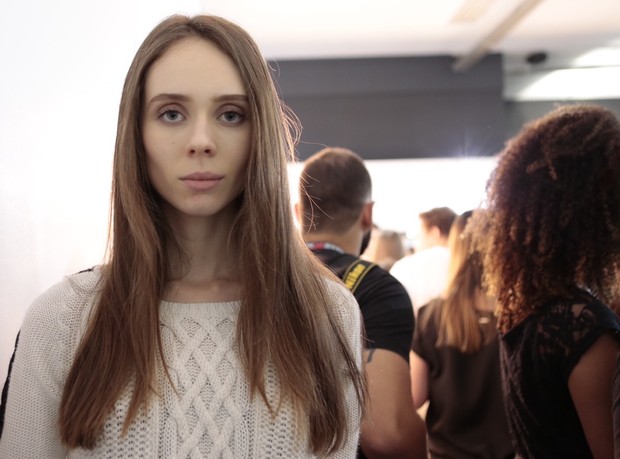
[455, 362]
[551, 244]
[211, 331]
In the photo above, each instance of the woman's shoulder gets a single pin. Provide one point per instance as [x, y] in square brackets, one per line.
[567, 327]
[72, 287]
[602, 313]
[338, 292]
[342, 300]
[434, 306]
[51, 330]
[580, 315]
[64, 303]
[595, 318]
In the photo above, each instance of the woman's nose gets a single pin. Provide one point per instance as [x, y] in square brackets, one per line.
[201, 138]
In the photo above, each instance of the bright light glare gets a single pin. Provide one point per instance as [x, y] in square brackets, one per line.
[599, 57]
[569, 84]
[402, 188]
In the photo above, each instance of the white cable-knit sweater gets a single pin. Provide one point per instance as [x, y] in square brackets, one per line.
[212, 415]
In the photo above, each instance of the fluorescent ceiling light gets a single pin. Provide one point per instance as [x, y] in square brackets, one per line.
[567, 84]
[599, 57]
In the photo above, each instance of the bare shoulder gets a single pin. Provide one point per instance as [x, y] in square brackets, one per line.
[590, 386]
[602, 354]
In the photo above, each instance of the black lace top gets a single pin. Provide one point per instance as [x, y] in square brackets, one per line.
[537, 357]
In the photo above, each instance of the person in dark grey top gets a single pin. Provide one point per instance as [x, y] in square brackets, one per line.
[455, 362]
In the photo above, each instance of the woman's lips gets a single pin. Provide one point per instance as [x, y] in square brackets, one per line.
[202, 181]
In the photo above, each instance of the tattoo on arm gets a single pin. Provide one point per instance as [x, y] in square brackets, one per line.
[370, 353]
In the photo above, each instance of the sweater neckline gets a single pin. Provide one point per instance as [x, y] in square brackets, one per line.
[200, 309]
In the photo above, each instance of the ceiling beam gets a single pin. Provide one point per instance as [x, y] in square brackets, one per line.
[467, 61]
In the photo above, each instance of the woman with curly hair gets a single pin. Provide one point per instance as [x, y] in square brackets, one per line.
[551, 252]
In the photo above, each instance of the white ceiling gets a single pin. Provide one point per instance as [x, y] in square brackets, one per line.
[348, 28]
[580, 38]
[302, 29]
[40, 38]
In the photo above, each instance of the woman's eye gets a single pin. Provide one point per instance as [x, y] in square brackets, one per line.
[171, 116]
[232, 116]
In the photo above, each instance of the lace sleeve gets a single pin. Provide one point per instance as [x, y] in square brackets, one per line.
[568, 330]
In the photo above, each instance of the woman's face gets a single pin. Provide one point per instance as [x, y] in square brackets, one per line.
[196, 129]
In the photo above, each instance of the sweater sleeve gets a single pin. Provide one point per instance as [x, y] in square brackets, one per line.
[41, 361]
[349, 313]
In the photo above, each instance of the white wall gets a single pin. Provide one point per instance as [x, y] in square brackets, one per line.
[402, 188]
[60, 86]
[62, 68]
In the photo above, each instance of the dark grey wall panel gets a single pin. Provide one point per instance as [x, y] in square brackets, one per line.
[388, 108]
[415, 125]
[381, 75]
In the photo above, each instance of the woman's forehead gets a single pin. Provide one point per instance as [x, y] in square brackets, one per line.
[194, 65]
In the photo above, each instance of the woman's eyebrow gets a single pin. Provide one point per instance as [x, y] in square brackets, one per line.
[231, 97]
[169, 96]
[184, 98]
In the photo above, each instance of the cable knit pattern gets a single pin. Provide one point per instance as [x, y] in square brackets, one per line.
[211, 413]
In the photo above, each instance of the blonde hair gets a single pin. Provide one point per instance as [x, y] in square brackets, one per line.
[457, 320]
[284, 317]
[385, 248]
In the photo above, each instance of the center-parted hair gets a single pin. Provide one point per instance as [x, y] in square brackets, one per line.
[553, 219]
[333, 187]
[284, 319]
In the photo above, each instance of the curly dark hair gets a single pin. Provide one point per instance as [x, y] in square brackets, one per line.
[553, 220]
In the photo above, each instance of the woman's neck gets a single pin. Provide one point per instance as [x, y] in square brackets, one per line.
[208, 270]
[203, 291]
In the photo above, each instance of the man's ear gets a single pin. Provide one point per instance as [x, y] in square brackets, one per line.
[366, 219]
[435, 234]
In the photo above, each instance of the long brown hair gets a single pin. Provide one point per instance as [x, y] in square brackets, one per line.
[553, 218]
[457, 321]
[285, 317]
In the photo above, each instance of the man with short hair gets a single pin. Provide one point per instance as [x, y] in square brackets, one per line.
[424, 273]
[335, 213]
